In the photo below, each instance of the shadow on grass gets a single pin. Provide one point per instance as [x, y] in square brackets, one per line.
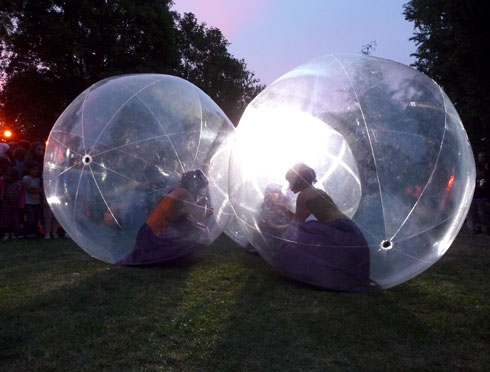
[97, 316]
[419, 325]
[224, 309]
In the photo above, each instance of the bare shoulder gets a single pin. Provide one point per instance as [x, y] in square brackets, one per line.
[307, 194]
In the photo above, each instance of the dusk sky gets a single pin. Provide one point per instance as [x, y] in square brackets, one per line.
[274, 36]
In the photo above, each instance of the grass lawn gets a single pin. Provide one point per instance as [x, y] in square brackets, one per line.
[225, 309]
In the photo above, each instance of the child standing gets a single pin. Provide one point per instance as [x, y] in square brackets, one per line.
[12, 202]
[33, 199]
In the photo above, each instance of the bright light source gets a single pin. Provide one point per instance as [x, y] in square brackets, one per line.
[7, 133]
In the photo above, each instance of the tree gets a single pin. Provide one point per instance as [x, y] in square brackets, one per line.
[207, 63]
[449, 35]
[369, 48]
[51, 50]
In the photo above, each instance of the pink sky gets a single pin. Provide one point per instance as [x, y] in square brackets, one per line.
[229, 16]
[274, 36]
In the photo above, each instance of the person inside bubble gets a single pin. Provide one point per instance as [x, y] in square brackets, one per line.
[274, 215]
[175, 227]
[322, 246]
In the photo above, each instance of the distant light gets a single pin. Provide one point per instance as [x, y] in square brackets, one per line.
[7, 133]
[450, 183]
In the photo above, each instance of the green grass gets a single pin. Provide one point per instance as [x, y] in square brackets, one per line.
[225, 309]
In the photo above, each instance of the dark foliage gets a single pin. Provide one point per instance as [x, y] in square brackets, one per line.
[51, 50]
[451, 48]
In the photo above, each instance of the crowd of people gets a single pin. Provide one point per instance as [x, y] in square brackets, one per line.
[24, 211]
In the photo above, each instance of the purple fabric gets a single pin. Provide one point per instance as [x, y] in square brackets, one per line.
[180, 239]
[333, 255]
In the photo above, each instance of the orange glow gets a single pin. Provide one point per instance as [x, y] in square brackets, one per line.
[450, 183]
[7, 134]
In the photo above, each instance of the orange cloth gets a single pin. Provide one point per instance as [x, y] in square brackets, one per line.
[166, 212]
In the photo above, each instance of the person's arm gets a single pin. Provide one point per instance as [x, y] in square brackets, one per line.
[283, 210]
[191, 207]
[302, 212]
[204, 203]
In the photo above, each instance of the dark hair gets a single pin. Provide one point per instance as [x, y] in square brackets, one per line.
[29, 165]
[20, 153]
[25, 144]
[301, 173]
[13, 171]
[32, 157]
[272, 187]
[5, 164]
[194, 180]
[31, 154]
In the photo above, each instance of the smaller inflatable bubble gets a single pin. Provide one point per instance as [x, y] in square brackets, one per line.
[135, 171]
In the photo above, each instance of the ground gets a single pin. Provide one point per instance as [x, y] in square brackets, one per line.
[226, 309]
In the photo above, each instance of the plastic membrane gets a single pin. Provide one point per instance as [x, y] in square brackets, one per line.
[124, 144]
[390, 155]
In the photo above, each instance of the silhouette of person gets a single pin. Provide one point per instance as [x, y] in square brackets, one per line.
[175, 227]
[321, 246]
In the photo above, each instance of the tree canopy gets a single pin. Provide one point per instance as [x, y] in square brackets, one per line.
[51, 50]
[451, 48]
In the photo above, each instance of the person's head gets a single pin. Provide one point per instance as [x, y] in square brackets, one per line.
[482, 157]
[33, 170]
[300, 176]
[25, 144]
[4, 165]
[20, 153]
[36, 150]
[273, 193]
[39, 150]
[194, 181]
[11, 175]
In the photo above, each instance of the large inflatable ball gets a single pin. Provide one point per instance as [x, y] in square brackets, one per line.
[234, 231]
[351, 173]
[135, 170]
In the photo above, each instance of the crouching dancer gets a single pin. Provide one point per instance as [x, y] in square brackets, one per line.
[321, 246]
[175, 227]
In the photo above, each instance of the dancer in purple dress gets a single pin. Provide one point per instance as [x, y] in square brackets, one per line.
[322, 246]
[175, 227]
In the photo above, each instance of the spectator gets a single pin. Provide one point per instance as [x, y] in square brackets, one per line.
[478, 220]
[36, 156]
[26, 145]
[19, 156]
[6, 154]
[12, 203]
[33, 197]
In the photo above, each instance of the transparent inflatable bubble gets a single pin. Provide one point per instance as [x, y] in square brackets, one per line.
[393, 165]
[116, 153]
[235, 232]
